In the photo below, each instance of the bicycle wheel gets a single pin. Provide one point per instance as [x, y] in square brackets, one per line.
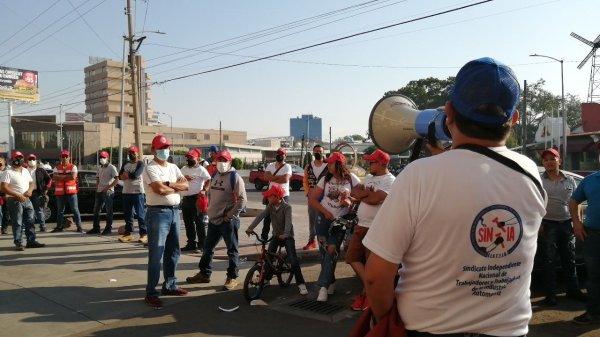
[254, 283]
[284, 273]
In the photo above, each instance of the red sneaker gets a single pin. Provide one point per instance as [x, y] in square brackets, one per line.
[154, 302]
[359, 303]
[174, 292]
[312, 244]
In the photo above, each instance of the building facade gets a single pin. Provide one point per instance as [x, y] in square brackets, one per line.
[307, 125]
[103, 82]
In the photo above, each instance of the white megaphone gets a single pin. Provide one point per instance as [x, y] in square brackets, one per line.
[395, 124]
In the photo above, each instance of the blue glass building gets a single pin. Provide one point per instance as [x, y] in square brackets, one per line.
[306, 125]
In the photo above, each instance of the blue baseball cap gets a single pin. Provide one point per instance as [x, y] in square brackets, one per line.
[213, 148]
[485, 81]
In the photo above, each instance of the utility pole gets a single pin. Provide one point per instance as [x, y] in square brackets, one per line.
[122, 122]
[220, 136]
[330, 139]
[10, 138]
[60, 138]
[132, 51]
[524, 123]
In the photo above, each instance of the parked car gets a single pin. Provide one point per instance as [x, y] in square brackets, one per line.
[257, 178]
[87, 191]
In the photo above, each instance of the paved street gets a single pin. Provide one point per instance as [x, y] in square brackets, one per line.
[93, 286]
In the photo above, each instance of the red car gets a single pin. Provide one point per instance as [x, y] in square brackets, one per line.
[257, 178]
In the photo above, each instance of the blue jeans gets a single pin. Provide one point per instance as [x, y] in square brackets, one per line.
[328, 259]
[4, 216]
[163, 245]
[39, 201]
[135, 202]
[103, 199]
[591, 254]
[291, 257]
[229, 232]
[21, 214]
[558, 240]
[61, 201]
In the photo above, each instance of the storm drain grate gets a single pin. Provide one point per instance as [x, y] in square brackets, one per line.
[313, 306]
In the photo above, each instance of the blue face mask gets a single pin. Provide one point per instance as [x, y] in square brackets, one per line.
[162, 154]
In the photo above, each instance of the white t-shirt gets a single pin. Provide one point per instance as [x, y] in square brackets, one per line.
[332, 192]
[199, 176]
[155, 172]
[366, 213]
[18, 181]
[464, 228]
[286, 169]
[317, 170]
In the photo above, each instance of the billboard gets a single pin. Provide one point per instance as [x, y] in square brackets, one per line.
[19, 85]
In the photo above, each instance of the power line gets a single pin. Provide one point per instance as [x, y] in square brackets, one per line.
[145, 14]
[29, 22]
[267, 41]
[316, 17]
[92, 29]
[326, 42]
[56, 31]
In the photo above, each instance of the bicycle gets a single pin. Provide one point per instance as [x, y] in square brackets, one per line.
[268, 265]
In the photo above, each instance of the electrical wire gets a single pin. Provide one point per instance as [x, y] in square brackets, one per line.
[325, 42]
[92, 29]
[145, 14]
[51, 34]
[29, 22]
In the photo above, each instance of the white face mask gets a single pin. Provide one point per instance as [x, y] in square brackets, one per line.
[223, 167]
[31, 163]
[103, 161]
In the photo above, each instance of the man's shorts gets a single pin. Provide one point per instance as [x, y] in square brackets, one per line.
[357, 252]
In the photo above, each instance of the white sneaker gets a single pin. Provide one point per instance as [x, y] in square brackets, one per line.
[302, 288]
[322, 295]
[331, 289]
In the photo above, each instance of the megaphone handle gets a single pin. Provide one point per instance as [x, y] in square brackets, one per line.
[416, 150]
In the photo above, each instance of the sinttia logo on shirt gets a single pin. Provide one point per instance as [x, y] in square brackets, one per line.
[496, 231]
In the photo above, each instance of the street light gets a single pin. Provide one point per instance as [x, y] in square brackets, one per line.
[170, 117]
[152, 31]
[564, 111]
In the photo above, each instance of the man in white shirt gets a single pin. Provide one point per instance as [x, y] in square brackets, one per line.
[371, 194]
[279, 173]
[106, 180]
[199, 181]
[134, 200]
[17, 184]
[462, 224]
[162, 181]
[313, 172]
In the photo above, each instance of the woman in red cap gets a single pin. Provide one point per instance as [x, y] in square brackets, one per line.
[331, 198]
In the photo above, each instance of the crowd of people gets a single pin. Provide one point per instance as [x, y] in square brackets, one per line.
[448, 245]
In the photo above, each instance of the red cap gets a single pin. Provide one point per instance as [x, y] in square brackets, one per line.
[32, 156]
[160, 142]
[224, 154]
[64, 154]
[551, 151]
[336, 157]
[282, 151]
[103, 154]
[377, 156]
[133, 149]
[15, 154]
[193, 153]
[275, 190]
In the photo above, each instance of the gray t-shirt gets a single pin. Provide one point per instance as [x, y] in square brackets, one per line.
[134, 184]
[106, 176]
[559, 194]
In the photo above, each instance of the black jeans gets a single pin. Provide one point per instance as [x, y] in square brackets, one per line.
[558, 240]
[195, 228]
[292, 258]
[267, 222]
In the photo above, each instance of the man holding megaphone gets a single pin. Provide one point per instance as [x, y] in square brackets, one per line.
[463, 223]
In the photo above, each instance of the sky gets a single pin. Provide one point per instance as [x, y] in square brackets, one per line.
[339, 82]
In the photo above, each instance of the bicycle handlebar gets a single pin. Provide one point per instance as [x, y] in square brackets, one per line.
[260, 239]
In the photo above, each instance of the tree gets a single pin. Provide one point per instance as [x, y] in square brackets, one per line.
[427, 93]
[237, 163]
